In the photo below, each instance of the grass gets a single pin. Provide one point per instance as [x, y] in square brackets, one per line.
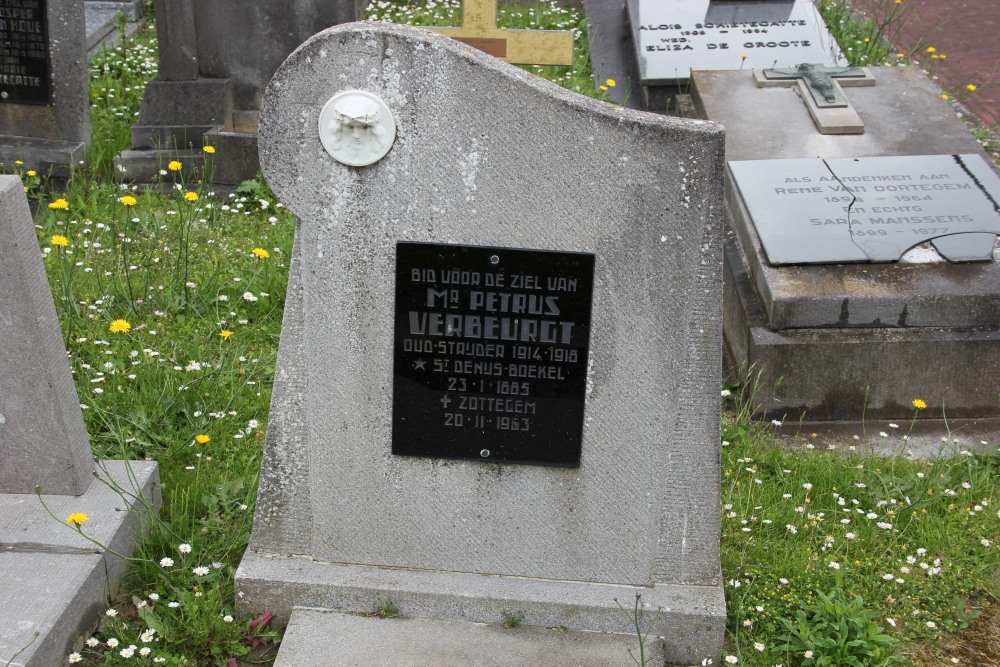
[171, 300]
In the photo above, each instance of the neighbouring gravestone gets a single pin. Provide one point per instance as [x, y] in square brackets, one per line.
[672, 38]
[212, 71]
[815, 296]
[43, 440]
[497, 386]
[54, 581]
[44, 114]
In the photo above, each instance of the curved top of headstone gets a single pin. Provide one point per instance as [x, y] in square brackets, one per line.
[452, 105]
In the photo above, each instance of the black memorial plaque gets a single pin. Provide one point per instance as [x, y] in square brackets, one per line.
[25, 76]
[490, 353]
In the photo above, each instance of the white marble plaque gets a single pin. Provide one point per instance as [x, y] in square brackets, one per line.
[872, 209]
[674, 37]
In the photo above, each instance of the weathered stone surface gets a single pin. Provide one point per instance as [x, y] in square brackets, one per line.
[43, 440]
[501, 159]
[358, 641]
[903, 114]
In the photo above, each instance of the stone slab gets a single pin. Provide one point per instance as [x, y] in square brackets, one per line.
[43, 440]
[672, 38]
[317, 637]
[57, 595]
[100, 22]
[691, 618]
[23, 520]
[56, 582]
[838, 210]
[903, 114]
[640, 192]
[844, 296]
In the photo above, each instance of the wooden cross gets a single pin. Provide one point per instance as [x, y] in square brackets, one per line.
[820, 89]
[522, 47]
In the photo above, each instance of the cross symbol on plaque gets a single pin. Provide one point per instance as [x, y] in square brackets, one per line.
[522, 47]
[820, 89]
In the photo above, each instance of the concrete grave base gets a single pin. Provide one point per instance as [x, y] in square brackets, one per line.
[822, 374]
[692, 618]
[321, 637]
[56, 582]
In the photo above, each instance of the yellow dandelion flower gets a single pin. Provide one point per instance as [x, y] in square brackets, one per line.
[59, 240]
[931, 49]
[191, 196]
[174, 165]
[25, 188]
[919, 404]
[77, 518]
[934, 57]
[128, 200]
[18, 162]
[867, 40]
[971, 87]
[261, 253]
[944, 96]
[225, 333]
[208, 149]
[59, 204]
[942, 56]
[900, 55]
[610, 83]
[31, 172]
[120, 326]
[202, 439]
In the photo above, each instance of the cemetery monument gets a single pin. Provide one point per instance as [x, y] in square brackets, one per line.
[497, 385]
[861, 268]
[212, 72]
[673, 38]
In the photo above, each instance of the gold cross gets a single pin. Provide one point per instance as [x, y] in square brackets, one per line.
[522, 47]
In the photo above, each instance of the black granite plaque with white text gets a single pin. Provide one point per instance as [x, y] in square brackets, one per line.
[490, 353]
[25, 76]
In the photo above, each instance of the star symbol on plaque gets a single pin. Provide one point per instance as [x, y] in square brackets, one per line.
[420, 365]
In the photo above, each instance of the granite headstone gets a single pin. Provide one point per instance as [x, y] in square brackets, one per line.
[521, 256]
[44, 113]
